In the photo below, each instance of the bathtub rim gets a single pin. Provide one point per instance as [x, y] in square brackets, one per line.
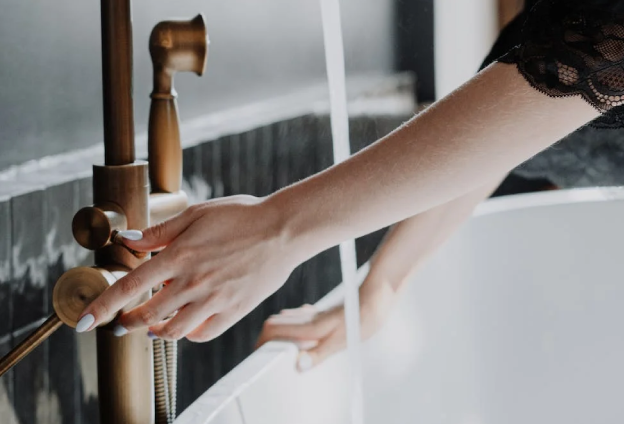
[227, 389]
[549, 198]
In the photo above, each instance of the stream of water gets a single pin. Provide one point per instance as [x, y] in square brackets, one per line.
[334, 60]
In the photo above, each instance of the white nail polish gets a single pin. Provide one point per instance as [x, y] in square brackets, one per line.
[119, 331]
[133, 235]
[304, 362]
[85, 323]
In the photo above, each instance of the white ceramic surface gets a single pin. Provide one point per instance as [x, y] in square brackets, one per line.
[517, 319]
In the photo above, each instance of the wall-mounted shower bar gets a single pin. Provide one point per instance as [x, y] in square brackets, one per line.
[117, 82]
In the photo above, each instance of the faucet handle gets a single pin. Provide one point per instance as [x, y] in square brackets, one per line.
[94, 226]
[72, 294]
[29, 344]
[77, 288]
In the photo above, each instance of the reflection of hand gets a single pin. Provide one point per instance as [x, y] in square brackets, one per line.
[223, 258]
[320, 334]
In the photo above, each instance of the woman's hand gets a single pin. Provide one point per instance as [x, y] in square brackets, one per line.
[320, 334]
[222, 258]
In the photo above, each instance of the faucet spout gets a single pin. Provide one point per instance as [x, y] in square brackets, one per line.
[175, 46]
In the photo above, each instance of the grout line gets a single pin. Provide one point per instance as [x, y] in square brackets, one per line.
[5, 338]
[28, 328]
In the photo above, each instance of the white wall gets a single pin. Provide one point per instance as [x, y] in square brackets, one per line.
[464, 33]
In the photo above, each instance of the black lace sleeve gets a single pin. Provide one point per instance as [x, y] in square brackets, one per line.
[576, 47]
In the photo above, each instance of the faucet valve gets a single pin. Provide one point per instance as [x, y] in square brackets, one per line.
[77, 288]
[94, 226]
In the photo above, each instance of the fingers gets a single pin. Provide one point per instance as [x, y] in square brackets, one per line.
[160, 235]
[123, 291]
[304, 309]
[163, 304]
[183, 323]
[309, 359]
[297, 328]
[318, 335]
[212, 328]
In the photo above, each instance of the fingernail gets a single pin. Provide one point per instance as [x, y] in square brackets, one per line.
[304, 362]
[152, 335]
[119, 331]
[85, 323]
[133, 235]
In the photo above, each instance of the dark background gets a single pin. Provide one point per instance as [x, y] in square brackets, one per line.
[50, 78]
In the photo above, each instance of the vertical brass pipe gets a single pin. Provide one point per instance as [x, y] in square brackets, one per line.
[117, 81]
[125, 364]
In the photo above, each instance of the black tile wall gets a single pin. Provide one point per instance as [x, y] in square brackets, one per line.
[249, 162]
[7, 408]
[6, 306]
[194, 184]
[63, 252]
[29, 297]
[266, 161]
[36, 247]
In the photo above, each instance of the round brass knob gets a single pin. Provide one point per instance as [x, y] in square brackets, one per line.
[76, 289]
[93, 226]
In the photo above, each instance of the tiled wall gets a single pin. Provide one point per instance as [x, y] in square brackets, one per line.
[57, 382]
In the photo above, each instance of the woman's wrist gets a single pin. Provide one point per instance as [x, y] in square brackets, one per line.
[299, 225]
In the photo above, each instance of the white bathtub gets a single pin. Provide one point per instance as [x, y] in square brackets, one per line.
[518, 319]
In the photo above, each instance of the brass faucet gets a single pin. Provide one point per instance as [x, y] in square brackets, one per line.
[123, 200]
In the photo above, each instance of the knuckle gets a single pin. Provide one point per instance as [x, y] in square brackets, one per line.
[216, 297]
[100, 309]
[172, 332]
[159, 230]
[238, 308]
[182, 255]
[130, 286]
[194, 283]
[192, 210]
[147, 316]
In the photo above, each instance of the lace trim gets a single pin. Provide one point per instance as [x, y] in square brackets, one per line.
[576, 48]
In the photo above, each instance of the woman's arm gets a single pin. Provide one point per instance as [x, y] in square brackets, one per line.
[482, 130]
[404, 250]
[411, 242]
[226, 256]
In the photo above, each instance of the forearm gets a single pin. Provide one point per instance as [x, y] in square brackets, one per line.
[479, 132]
[409, 243]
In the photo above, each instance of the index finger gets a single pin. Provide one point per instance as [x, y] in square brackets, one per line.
[127, 288]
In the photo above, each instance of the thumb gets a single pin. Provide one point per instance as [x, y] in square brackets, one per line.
[309, 359]
[159, 235]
